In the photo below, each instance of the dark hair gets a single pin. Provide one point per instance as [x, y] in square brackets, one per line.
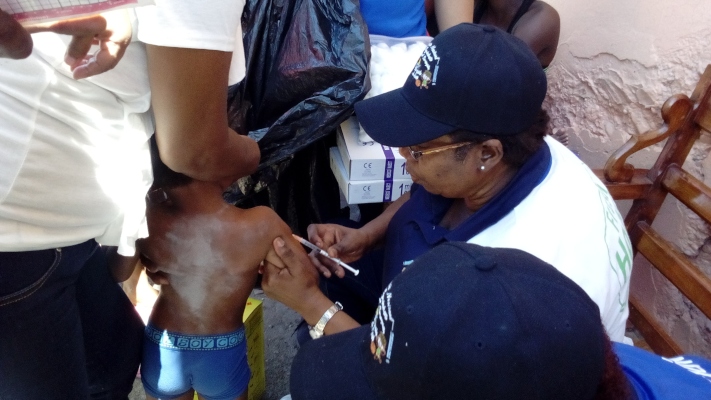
[614, 384]
[164, 177]
[518, 148]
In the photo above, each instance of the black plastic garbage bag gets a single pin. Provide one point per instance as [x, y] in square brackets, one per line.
[307, 64]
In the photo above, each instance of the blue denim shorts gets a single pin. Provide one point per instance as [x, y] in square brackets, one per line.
[215, 366]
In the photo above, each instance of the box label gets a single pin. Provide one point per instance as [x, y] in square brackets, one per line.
[389, 162]
[388, 174]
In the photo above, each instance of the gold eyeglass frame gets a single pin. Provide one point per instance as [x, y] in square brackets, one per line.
[417, 154]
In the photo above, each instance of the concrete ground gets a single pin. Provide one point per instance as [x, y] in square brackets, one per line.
[279, 347]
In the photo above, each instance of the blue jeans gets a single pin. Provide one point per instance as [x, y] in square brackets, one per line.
[67, 330]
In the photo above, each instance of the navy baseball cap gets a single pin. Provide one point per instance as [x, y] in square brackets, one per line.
[464, 322]
[472, 77]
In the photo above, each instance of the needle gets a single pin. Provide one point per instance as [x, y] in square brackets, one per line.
[325, 254]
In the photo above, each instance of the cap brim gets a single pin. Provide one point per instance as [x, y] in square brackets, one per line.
[390, 120]
[331, 367]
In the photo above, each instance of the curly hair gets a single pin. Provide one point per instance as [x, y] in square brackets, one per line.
[517, 148]
[614, 384]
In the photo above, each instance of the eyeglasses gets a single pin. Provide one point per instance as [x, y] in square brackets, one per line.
[416, 154]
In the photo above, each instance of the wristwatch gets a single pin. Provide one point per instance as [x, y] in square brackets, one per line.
[316, 331]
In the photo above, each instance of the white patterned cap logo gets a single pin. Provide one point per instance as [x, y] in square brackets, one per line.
[425, 71]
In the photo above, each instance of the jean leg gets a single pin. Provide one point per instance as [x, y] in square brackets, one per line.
[113, 331]
[41, 351]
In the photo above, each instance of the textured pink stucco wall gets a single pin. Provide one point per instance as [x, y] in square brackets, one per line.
[617, 62]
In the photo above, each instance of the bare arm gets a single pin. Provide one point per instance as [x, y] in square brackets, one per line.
[453, 12]
[189, 97]
[540, 29]
[377, 228]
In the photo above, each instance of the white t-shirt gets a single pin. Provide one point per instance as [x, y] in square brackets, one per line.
[574, 207]
[211, 25]
[74, 154]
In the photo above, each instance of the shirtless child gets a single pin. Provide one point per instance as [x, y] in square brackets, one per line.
[195, 339]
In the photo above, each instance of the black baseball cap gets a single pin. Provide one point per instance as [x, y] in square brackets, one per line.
[464, 322]
[472, 77]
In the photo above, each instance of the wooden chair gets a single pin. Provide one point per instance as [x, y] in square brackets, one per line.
[684, 119]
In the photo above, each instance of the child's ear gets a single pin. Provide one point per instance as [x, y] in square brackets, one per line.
[158, 277]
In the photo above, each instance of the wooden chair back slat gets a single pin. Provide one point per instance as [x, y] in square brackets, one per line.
[689, 190]
[653, 333]
[676, 267]
[684, 119]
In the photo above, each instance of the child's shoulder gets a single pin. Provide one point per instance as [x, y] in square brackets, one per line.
[255, 214]
[257, 219]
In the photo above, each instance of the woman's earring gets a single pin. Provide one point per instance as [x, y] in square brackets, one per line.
[482, 167]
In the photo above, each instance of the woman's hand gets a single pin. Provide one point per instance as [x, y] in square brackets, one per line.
[296, 284]
[346, 244]
[111, 31]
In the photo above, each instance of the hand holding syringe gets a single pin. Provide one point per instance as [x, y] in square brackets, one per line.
[325, 254]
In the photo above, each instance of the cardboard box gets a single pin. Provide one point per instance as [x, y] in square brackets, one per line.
[359, 192]
[368, 162]
[254, 330]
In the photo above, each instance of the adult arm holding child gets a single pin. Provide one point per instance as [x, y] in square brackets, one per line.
[189, 98]
[191, 47]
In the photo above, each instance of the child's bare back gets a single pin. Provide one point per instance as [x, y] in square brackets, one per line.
[195, 336]
[217, 255]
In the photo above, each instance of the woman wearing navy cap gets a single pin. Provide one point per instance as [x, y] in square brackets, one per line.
[484, 172]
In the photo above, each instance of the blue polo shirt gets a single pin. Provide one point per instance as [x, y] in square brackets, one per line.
[415, 229]
[657, 378]
[395, 18]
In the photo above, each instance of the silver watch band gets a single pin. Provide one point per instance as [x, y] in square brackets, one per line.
[317, 330]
